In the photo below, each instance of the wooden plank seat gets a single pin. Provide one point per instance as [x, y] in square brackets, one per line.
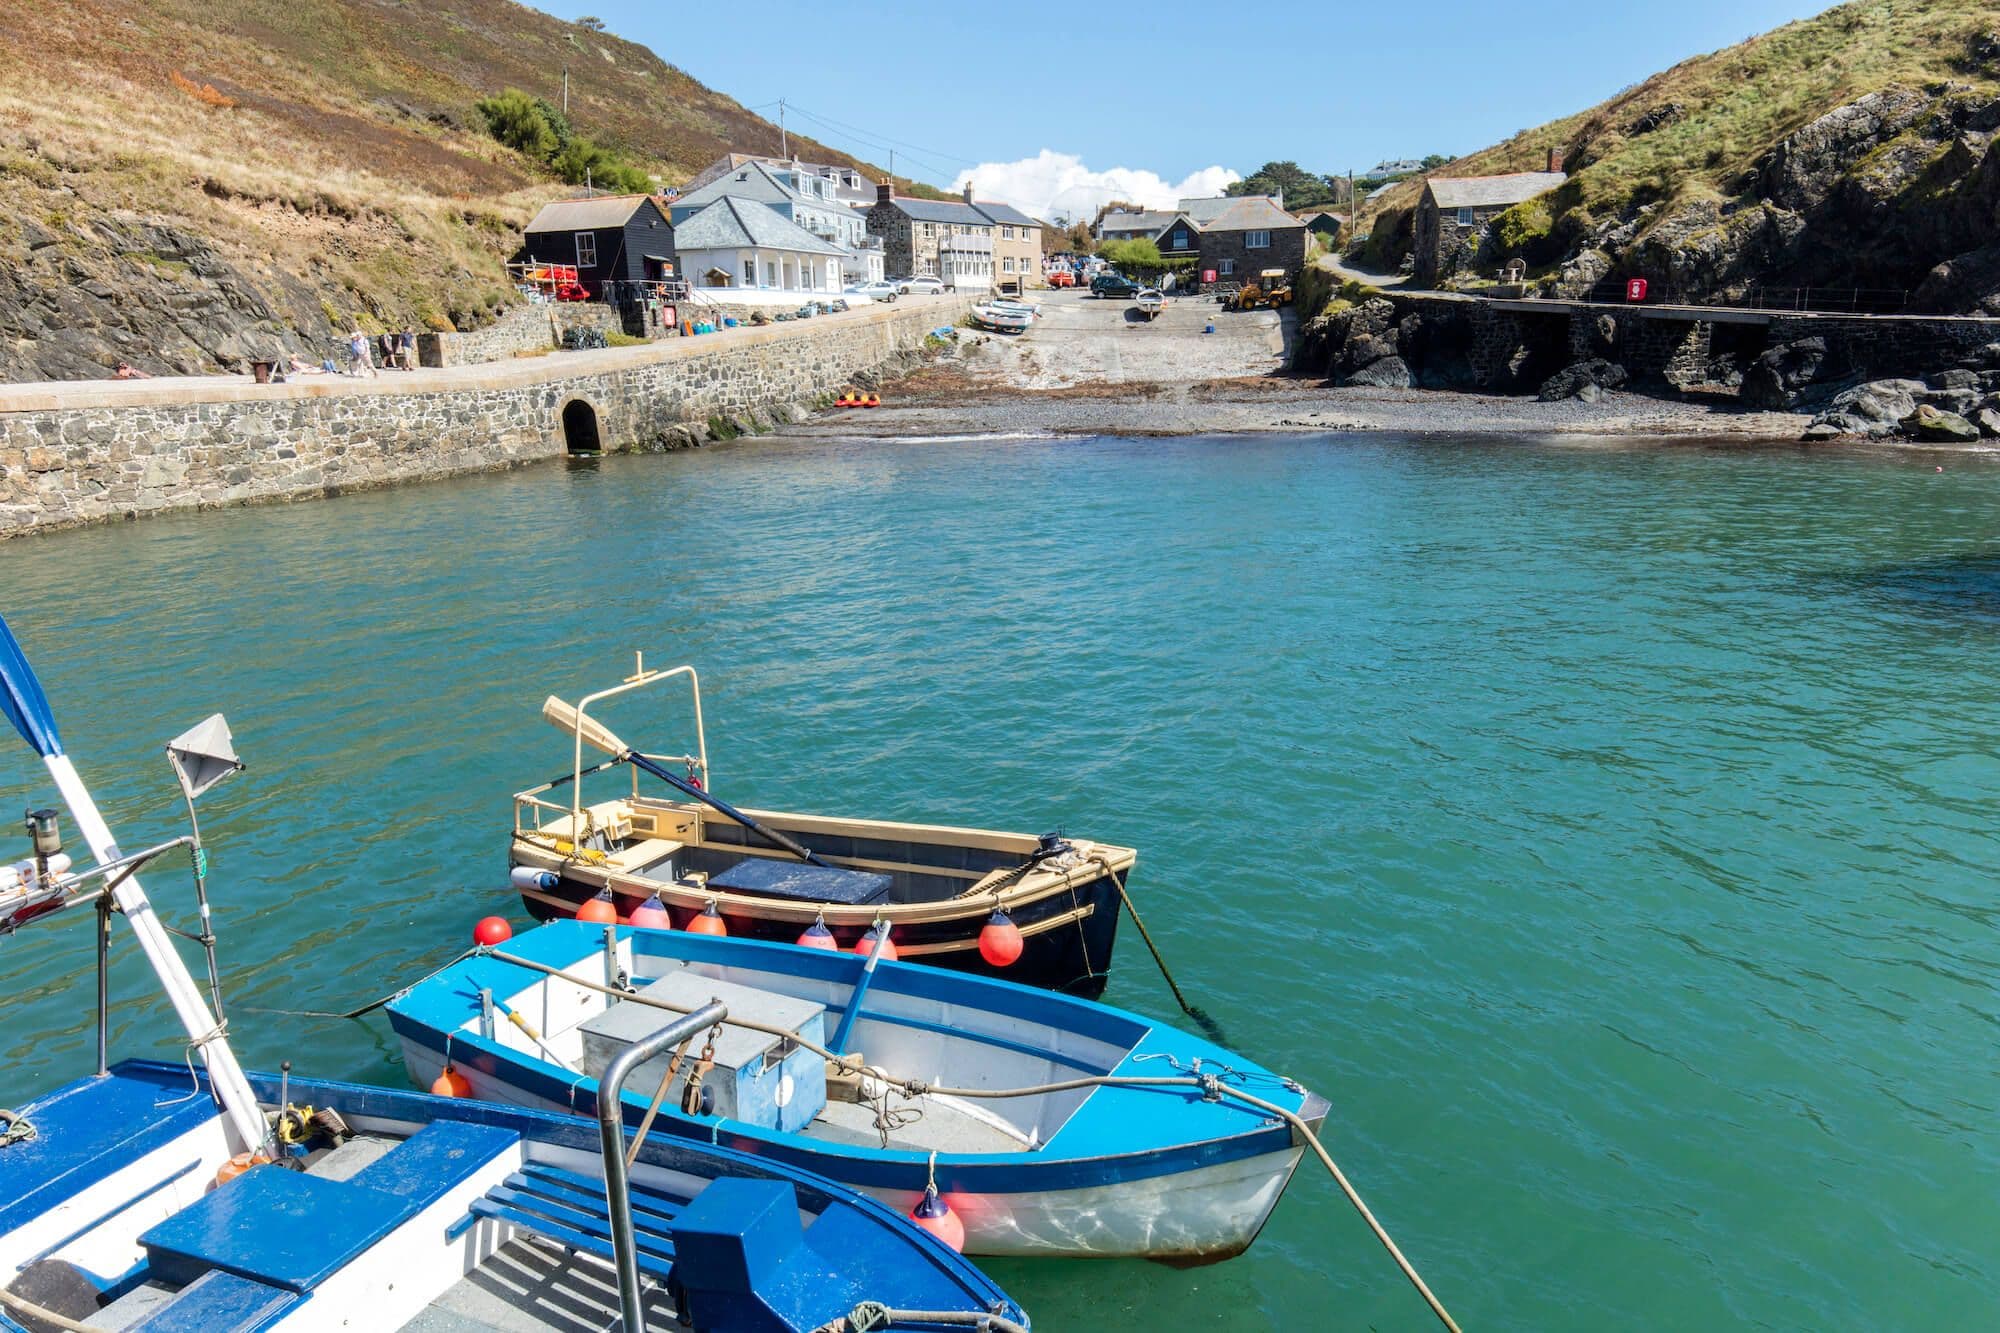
[569, 1209]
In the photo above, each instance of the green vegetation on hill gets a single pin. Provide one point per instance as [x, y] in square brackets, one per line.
[301, 167]
[1700, 131]
[534, 128]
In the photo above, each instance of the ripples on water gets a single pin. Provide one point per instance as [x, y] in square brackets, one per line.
[1607, 831]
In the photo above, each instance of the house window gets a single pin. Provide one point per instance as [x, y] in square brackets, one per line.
[1465, 217]
[1257, 240]
[1180, 238]
[1007, 233]
[770, 273]
[1226, 267]
[586, 250]
[1007, 264]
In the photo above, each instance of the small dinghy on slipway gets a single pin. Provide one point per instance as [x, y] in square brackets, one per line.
[155, 1197]
[1140, 1140]
[685, 852]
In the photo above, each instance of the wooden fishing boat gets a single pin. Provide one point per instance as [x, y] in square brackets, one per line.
[1002, 318]
[1151, 302]
[1132, 1139]
[772, 875]
[151, 1196]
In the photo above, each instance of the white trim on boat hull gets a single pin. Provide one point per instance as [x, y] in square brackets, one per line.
[1198, 1216]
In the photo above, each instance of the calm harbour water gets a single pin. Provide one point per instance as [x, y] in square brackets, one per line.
[1606, 830]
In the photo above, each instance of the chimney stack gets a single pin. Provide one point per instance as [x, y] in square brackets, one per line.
[1555, 159]
[885, 193]
[968, 192]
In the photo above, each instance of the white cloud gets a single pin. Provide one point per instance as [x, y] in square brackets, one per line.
[1050, 183]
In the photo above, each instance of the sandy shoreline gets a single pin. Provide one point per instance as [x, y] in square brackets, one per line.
[943, 401]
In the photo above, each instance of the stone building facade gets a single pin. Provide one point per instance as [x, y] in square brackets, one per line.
[911, 231]
[1453, 213]
[1249, 236]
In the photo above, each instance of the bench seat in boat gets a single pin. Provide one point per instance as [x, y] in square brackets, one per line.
[802, 882]
[293, 1231]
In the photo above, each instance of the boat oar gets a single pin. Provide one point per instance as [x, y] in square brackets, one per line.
[24, 704]
[594, 733]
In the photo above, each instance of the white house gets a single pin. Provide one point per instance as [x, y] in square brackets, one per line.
[738, 250]
[965, 262]
[800, 195]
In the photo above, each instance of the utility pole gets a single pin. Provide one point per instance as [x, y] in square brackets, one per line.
[784, 144]
[565, 90]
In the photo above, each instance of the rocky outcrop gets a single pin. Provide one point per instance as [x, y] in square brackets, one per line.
[1886, 202]
[1955, 407]
[1786, 376]
[127, 288]
[1586, 380]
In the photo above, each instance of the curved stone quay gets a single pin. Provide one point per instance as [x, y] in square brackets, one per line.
[90, 451]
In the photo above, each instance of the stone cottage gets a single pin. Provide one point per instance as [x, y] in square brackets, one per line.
[1246, 237]
[912, 228]
[1453, 213]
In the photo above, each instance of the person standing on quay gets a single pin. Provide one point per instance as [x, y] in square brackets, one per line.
[357, 348]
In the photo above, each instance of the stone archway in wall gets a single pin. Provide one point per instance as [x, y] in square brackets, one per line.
[582, 427]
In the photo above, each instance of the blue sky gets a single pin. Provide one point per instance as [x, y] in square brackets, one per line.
[1336, 85]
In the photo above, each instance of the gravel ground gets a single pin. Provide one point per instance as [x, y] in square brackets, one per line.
[1093, 367]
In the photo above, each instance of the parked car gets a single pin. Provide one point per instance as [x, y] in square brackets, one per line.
[873, 291]
[921, 286]
[1061, 277]
[1113, 284]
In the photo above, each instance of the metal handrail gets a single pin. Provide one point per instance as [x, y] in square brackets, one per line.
[639, 678]
[611, 1134]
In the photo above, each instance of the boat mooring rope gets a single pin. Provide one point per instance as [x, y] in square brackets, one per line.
[1212, 1086]
[365, 1009]
[870, 1316]
[43, 1315]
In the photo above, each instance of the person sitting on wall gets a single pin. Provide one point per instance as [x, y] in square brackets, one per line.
[127, 371]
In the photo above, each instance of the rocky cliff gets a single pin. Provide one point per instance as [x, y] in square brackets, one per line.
[185, 186]
[1850, 151]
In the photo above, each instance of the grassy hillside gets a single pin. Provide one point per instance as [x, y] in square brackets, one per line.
[323, 156]
[1702, 129]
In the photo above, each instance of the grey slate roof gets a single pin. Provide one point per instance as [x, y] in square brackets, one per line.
[1204, 211]
[741, 224]
[1006, 213]
[942, 210]
[1254, 212]
[1146, 223]
[613, 210]
[1486, 191]
[761, 184]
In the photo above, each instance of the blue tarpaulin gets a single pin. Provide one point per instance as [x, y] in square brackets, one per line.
[21, 697]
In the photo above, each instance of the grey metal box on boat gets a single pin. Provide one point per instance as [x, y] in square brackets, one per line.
[758, 1079]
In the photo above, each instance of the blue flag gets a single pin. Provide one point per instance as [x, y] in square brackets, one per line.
[21, 697]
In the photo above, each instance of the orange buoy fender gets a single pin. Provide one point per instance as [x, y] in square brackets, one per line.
[600, 910]
[1000, 942]
[934, 1215]
[652, 915]
[709, 922]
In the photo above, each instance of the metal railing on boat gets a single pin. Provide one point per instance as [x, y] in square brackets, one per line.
[611, 1132]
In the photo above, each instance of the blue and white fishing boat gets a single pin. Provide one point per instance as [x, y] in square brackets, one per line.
[1136, 1139]
[162, 1198]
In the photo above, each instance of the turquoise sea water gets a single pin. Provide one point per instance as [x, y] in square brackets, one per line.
[1606, 830]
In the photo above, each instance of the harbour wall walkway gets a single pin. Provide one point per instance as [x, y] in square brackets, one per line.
[91, 451]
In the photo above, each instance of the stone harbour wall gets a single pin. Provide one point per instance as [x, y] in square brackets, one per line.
[85, 452]
[531, 328]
